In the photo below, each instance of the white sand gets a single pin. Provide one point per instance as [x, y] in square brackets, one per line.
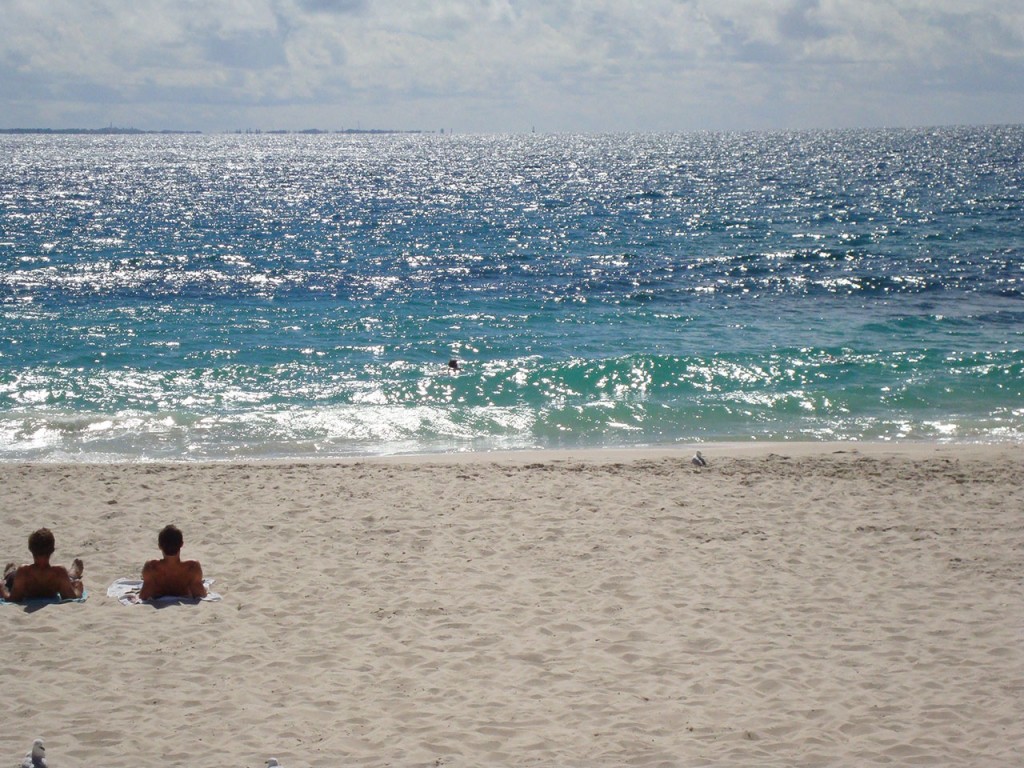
[789, 605]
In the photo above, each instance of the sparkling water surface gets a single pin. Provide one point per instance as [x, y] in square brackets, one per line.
[229, 296]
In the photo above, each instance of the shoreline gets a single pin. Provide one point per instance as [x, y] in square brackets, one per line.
[748, 449]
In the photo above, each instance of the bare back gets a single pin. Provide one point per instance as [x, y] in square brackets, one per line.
[171, 577]
[35, 582]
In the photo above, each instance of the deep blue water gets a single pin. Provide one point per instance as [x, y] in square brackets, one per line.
[226, 296]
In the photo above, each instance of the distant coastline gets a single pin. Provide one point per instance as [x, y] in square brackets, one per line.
[318, 131]
[98, 131]
[112, 131]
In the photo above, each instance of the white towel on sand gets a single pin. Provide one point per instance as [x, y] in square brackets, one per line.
[126, 591]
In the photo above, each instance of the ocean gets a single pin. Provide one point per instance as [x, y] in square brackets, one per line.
[216, 297]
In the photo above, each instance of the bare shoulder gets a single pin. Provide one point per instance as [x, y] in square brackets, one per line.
[151, 565]
[32, 572]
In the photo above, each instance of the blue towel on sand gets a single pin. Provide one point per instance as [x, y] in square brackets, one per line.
[49, 600]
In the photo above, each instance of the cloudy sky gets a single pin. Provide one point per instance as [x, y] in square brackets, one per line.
[510, 65]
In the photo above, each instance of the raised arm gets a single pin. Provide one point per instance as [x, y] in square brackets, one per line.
[67, 587]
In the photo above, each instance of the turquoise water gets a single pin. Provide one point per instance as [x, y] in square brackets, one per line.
[213, 297]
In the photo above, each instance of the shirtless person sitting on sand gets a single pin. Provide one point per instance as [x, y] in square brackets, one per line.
[170, 576]
[39, 579]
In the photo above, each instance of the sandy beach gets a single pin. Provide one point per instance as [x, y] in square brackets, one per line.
[788, 605]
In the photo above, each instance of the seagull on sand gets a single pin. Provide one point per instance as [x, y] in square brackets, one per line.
[37, 757]
[698, 460]
[272, 763]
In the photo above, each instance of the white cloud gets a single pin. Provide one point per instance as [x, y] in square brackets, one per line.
[499, 64]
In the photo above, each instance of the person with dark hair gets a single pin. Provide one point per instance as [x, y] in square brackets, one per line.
[171, 576]
[39, 579]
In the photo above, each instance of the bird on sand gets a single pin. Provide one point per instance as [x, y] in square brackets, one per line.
[698, 460]
[37, 757]
[272, 763]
